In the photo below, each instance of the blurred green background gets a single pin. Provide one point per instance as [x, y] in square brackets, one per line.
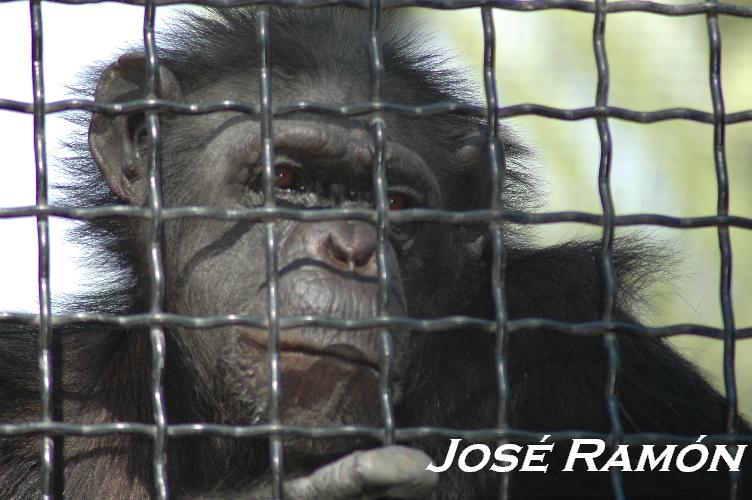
[655, 62]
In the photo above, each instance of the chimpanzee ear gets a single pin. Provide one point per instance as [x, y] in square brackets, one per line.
[118, 143]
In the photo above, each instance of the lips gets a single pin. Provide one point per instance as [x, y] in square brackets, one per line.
[348, 353]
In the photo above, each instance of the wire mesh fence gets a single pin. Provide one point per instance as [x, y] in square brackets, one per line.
[160, 431]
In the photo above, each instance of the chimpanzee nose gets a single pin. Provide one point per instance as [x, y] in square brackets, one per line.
[352, 245]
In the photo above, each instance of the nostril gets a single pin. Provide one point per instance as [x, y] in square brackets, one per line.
[338, 251]
[364, 257]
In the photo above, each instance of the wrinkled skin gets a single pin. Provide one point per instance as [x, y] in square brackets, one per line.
[326, 269]
[329, 268]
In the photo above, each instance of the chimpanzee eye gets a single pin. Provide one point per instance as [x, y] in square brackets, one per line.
[397, 201]
[287, 177]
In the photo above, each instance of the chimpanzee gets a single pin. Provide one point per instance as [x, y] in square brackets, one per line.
[329, 268]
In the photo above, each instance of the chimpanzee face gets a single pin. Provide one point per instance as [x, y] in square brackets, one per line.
[326, 268]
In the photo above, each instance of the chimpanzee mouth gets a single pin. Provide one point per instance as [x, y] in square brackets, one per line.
[343, 352]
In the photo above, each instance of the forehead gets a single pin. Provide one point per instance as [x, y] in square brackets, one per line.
[332, 89]
[339, 93]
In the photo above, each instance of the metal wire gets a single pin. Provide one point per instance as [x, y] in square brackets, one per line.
[724, 238]
[49, 427]
[730, 9]
[380, 188]
[43, 240]
[276, 451]
[607, 241]
[364, 108]
[497, 168]
[420, 325]
[156, 272]
[407, 215]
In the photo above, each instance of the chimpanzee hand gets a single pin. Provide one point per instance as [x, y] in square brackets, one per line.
[394, 472]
